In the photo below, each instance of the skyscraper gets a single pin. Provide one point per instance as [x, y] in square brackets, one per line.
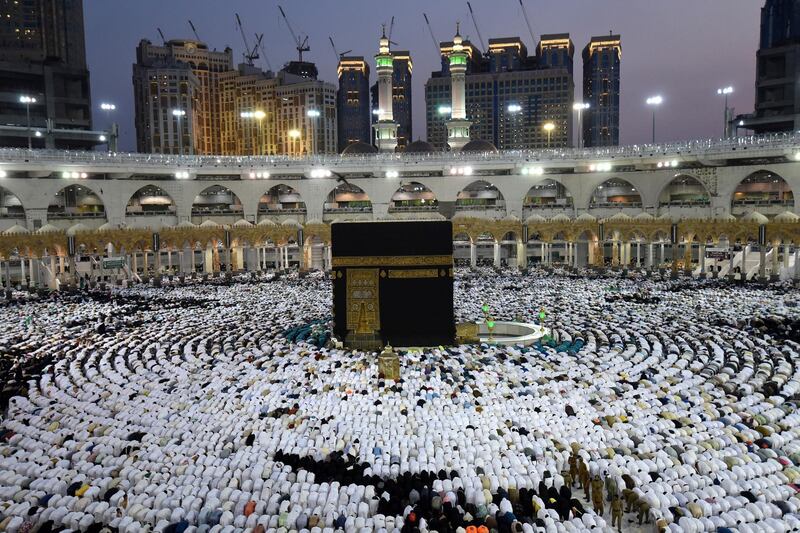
[353, 102]
[43, 56]
[777, 106]
[510, 96]
[601, 89]
[192, 100]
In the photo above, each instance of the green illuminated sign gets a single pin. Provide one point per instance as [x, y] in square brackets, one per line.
[384, 61]
[458, 60]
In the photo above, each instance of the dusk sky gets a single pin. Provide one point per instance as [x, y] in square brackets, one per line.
[681, 49]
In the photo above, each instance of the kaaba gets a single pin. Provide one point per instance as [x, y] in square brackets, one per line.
[393, 283]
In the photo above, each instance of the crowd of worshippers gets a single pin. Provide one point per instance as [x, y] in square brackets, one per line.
[205, 406]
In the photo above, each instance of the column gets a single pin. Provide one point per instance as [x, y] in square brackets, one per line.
[743, 276]
[522, 254]
[786, 258]
[330, 257]
[135, 263]
[541, 253]
[614, 253]
[638, 254]
[730, 260]
[145, 264]
[22, 281]
[762, 262]
[797, 264]
[473, 254]
[497, 254]
[650, 255]
[702, 259]
[775, 252]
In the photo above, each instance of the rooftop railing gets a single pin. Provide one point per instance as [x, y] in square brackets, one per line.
[197, 162]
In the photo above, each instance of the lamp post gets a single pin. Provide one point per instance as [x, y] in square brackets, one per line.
[28, 100]
[444, 112]
[580, 107]
[179, 114]
[294, 135]
[725, 91]
[108, 108]
[313, 114]
[514, 110]
[549, 127]
[654, 101]
[259, 116]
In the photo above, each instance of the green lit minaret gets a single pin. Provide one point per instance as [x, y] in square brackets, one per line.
[458, 125]
[386, 127]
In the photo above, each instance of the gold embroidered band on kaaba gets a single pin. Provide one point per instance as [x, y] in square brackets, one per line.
[393, 261]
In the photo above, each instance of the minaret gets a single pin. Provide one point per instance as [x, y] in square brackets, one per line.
[386, 127]
[458, 125]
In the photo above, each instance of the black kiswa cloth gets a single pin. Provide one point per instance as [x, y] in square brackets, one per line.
[411, 263]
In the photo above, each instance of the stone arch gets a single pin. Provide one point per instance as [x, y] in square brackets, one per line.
[11, 206]
[413, 197]
[480, 195]
[150, 199]
[615, 193]
[347, 201]
[684, 190]
[74, 201]
[216, 201]
[548, 193]
[281, 199]
[764, 191]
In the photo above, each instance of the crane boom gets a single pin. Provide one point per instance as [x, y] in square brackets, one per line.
[300, 44]
[161, 33]
[430, 29]
[527, 21]
[391, 29]
[477, 30]
[260, 44]
[194, 30]
[335, 52]
[250, 54]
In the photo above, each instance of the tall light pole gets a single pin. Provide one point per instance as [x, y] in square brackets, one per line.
[654, 101]
[294, 135]
[179, 114]
[725, 91]
[445, 111]
[514, 110]
[580, 107]
[108, 108]
[28, 100]
[549, 127]
[313, 114]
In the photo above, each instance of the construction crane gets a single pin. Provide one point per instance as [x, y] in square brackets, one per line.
[339, 55]
[527, 21]
[391, 29]
[301, 43]
[161, 33]
[250, 54]
[430, 29]
[477, 30]
[260, 44]
[194, 30]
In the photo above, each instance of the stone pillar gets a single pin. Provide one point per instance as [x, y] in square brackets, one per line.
[730, 260]
[473, 254]
[702, 259]
[522, 254]
[797, 264]
[330, 257]
[614, 253]
[192, 262]
[208, 260]
[775, 252]
[744, 262]
[786, 258]
[762, 262]
[497, 254]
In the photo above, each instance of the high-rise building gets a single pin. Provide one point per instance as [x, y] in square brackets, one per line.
[192, 100]
[43, 56]
[510, 96]
[402, 68]
[601, 88]
[353, 102]
[777, 106]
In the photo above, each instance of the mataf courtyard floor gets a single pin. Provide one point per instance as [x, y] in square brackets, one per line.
[186, 409]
